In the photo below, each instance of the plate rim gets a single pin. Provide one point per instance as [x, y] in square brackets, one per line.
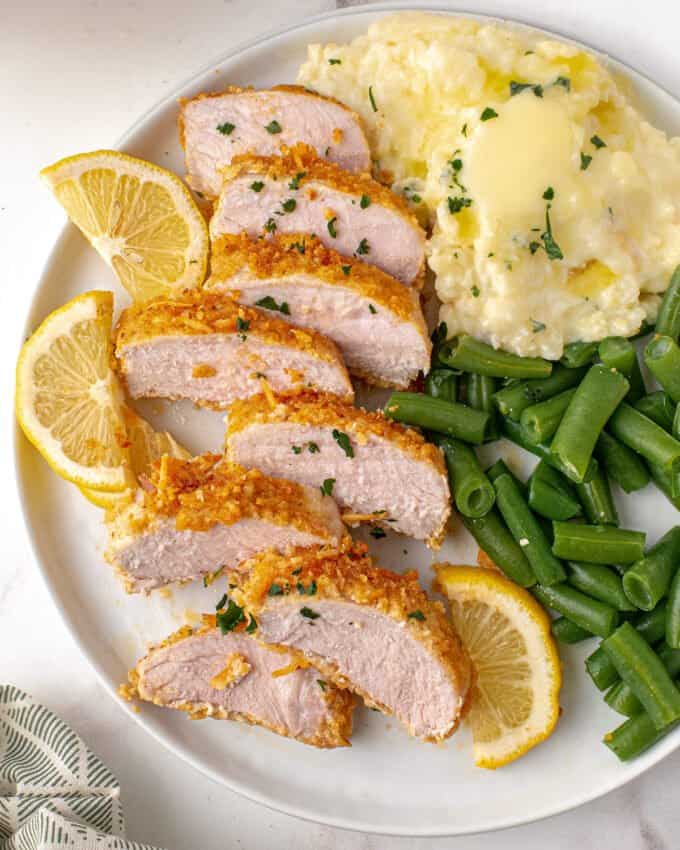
[20, 444]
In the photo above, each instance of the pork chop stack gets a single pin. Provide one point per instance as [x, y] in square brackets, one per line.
[298, 192]
[375, 320]
[232, 676]
[366, 629]
[378, 470]
[214, 128]
[208, 348]
[204, 514]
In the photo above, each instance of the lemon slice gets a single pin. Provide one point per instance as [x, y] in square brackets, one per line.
[146, 445]
[140, 218]
[68, 401]
[515, 699]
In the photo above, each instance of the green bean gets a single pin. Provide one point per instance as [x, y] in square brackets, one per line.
[668, 317]
[638, 388]
[675, 427]
[664, 481]
[616, 352]
[673, 617]
[513, 431]
[658, 407]
[551, 495]
[662, 356]
[443, 417]
[577, 354]
[499, 468]
[480, 392]
[601, 583]
[596, 398]
[596, 500]
[621, 463]
[515, 398]
[649, 579]
[473, 493]
[526, 530]
[540, 421]
[641, 668]
[652, 624]
[645, 437]
[468, 354]
[442, 383]
[597, 544]
[493, 537]
[635, 736]
[590, 614]
[622, 699]
[567, 632]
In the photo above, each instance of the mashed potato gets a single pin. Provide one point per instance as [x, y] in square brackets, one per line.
[554, 206]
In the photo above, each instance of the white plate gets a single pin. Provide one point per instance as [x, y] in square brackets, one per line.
[386, 782]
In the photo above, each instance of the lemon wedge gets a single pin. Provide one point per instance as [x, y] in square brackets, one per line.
[146, 445]
[141, 219]
[515, 699]
[68, 400]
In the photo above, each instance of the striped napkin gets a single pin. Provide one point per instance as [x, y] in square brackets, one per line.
[54, 792]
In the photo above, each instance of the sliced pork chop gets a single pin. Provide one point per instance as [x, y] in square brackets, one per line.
[204, 514]
[379, 471]
[298, 192]
[232, 676]
[216, 127]
[375, 321]
[366, 629]
[208, 348]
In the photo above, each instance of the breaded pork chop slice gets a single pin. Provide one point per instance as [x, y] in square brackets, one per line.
[378, 471]
[205, 514]
[216, 127]
[366, 629]
[298, 192]
[233, 676]
[376, 321]
[208, 348]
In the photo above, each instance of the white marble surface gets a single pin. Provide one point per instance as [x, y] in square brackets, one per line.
[74, 75]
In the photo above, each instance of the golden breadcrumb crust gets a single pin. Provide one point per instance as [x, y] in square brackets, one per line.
[335, 731]
[280, 256]
[207, 490]
[301, 161]
[198, 313]
[292, 89]
[326, 410]
[347, 573]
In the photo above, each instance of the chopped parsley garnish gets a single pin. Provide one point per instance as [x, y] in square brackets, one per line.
[464, 130]
[270, 225]
[552, 249]
[457, 204]
[242, 326]
[456, 164]
[549, 194]
[363, 247]
[296, 572]
[269, 304]
[296, 450]
[585, 161]
[295, 182]
[537, 327]
[518, 88]
[229, 619]
[372, 99]
[307, 612]
[321, 684]
[252, 625]
[300, 246]
[597, 142]
[226, 129]
[327, 486]
[372, 309]
[488, 114]
[331, 227]
[343, 441]
[306, 591]
[377, 533]
[273, 127]
[475, 291]
[313, 449]
[416, 615]
[335, 61]
[222, 602]
[289, 205]
[346, 269]
[534, 246]
[365, 202]
[257, 186]
[275, 590]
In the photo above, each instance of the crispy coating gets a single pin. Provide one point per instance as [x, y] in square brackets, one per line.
[281, 256]
[348, 574]
[335, 732]
[199, 313]
[325, 410]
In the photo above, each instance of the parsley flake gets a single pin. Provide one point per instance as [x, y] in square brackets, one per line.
[321, 684]
[518, 88]
[552, 249]
[275, 590]
[331, 227]
[289, 205]
[597, 142]
[313, 449]
[221, 603]
[475, 291]
[257, 186]
[226, 129]
[270, 225]
[536, 327]
[335, 61]
[549, 194]
[307, 612]
[306, 591]
[416, 615]
[585, 161]
[488, 114]
[346, 269]
[252, 625]
[273, 127]
[372, 99]
[564, 82]
[464, 130]
[457, 204]
[372, 309]
[343, 441]
[363, 247]
[242, 326]
[327, 486]
[365, 202]
[377, 533]
[268, 303]
[296, 450]
[295, 182]
[300, 246]
[229, 619]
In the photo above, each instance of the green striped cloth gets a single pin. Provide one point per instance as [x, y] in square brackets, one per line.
[54, 792]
